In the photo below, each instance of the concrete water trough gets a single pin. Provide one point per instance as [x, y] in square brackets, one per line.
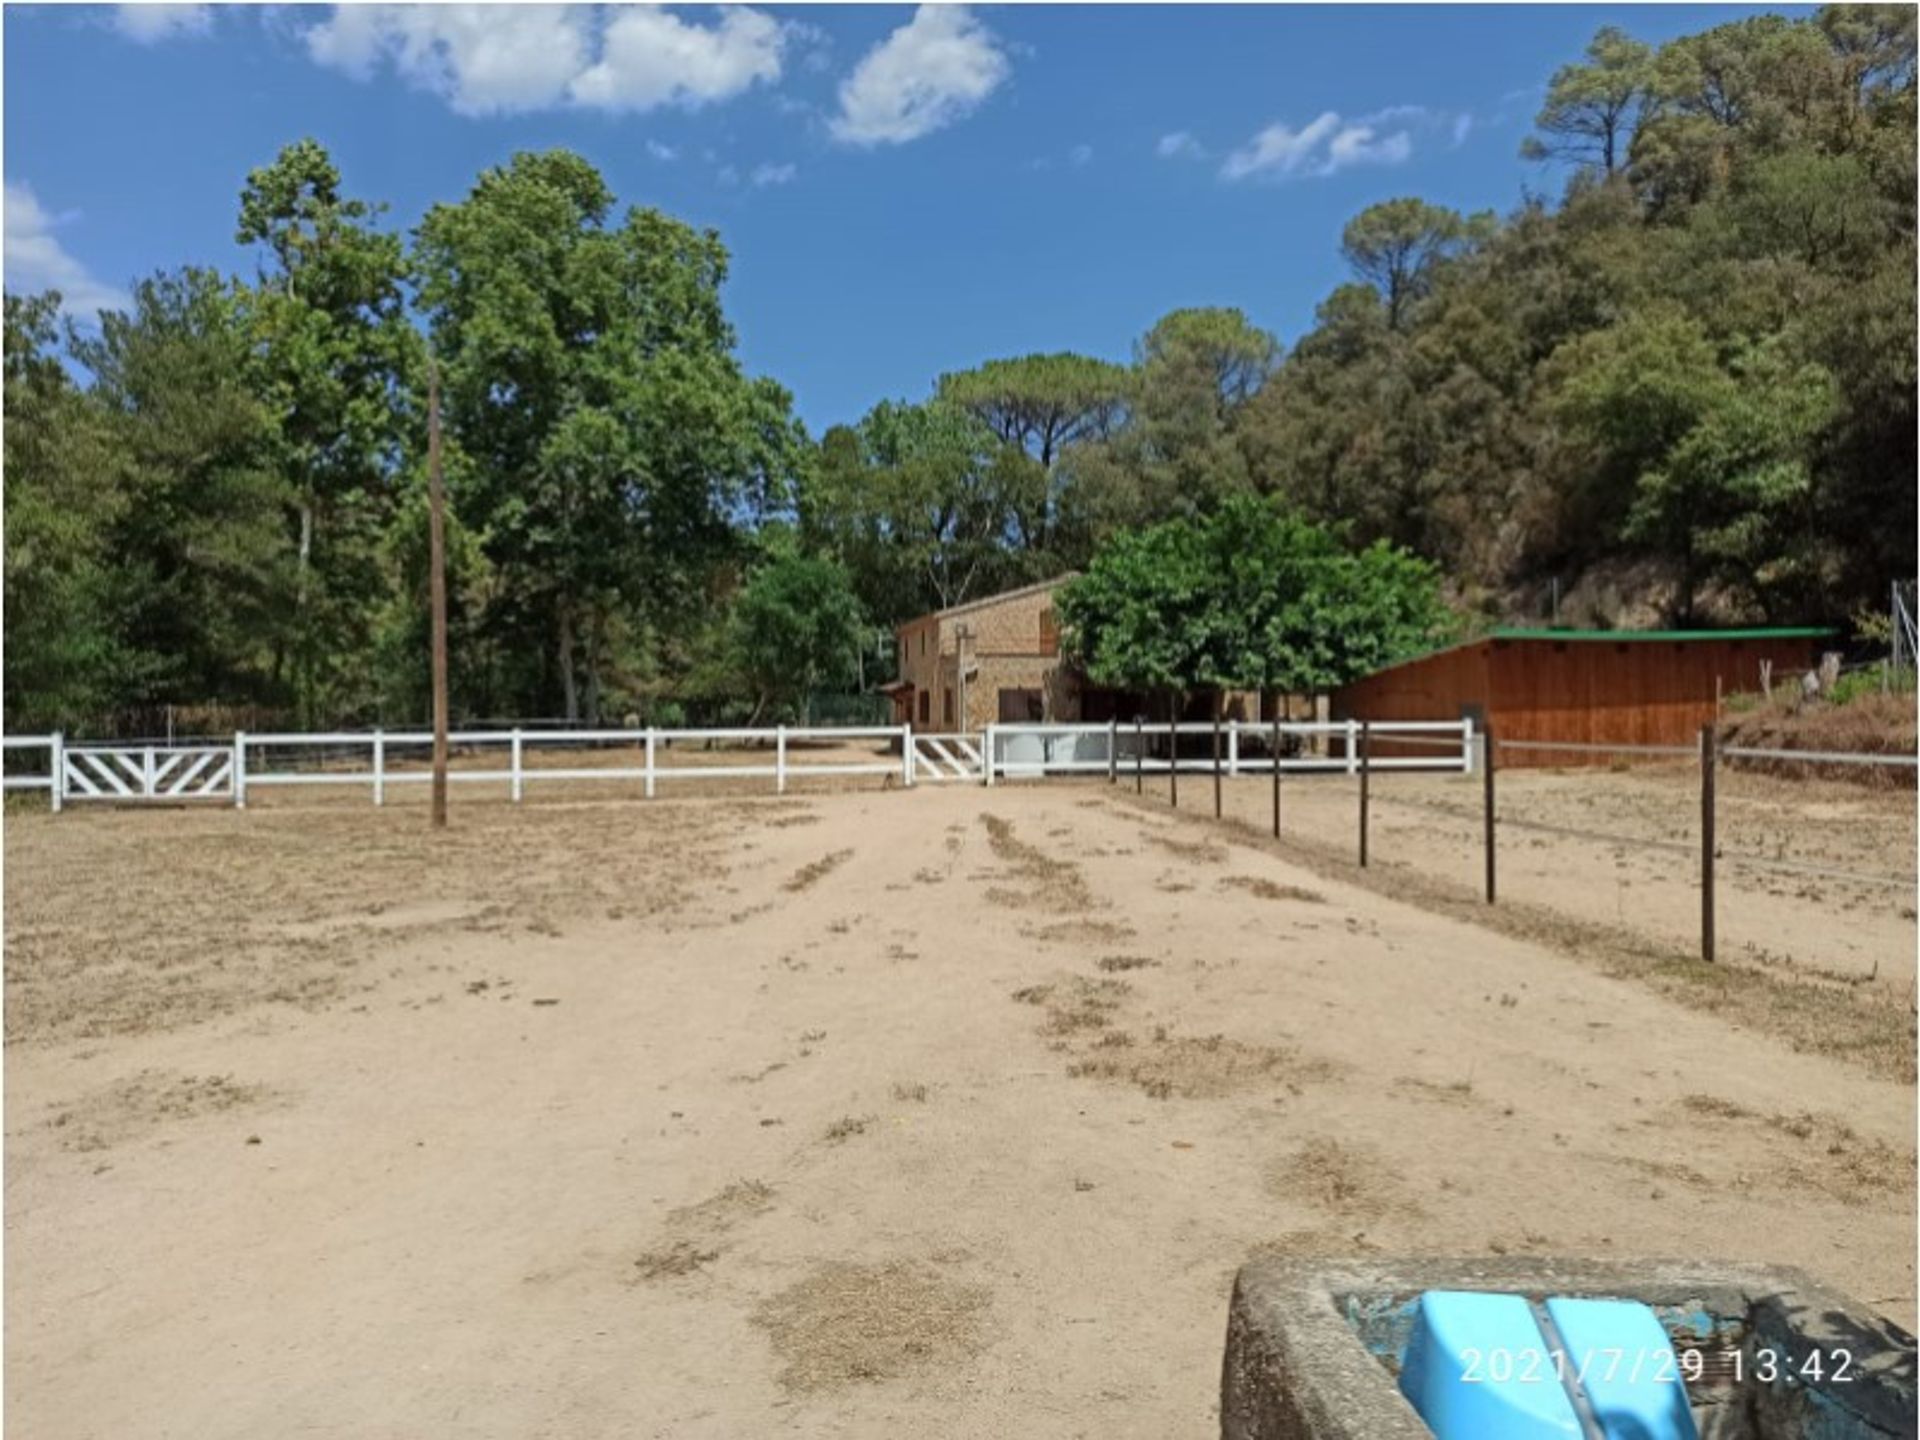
[1314, 1346]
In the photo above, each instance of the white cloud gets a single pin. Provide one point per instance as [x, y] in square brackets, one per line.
[482, 59]
[503, 59]
[36, 260]
[1081, 155]
[774, 174]
[662, 151]
[927, 74]
[1180, 145]
[651, 57]
[1328, 144]
[150, 24]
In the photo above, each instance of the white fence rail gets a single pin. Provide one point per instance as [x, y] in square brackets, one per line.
[1246, 748]
[374, 760]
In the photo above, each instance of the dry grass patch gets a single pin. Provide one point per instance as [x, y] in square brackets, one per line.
[1340, 1178]
[1051, 884]
[1262, 888]
[1081, 932]
[850, 1324]
[846, 1127]
[665, 1262]
[144, 1102]
[1113, 964]
[812, 873]
[1165, 1066]
[1202, 851]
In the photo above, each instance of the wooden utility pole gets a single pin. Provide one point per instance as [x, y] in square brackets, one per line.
[1708, 757]
[437, 585]
[1487, 749]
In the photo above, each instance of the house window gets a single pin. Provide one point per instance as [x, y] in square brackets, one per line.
[926, 705]
[1021, 707]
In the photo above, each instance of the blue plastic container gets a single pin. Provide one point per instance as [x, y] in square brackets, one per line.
[1624, 1364]
[1477, 1368]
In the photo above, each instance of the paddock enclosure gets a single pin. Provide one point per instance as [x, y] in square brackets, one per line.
[872, 1109]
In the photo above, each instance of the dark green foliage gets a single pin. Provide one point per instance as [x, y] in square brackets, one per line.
[1250, 596]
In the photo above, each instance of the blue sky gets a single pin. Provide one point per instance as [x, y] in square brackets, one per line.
[904, 191]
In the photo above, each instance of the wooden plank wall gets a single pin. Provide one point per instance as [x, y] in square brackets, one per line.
[1593, 692]
[1630, 692]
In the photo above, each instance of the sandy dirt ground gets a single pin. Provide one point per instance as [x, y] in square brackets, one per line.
[867, 1114]
[1810, 921]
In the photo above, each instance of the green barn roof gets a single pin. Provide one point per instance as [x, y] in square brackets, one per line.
[1781, 632]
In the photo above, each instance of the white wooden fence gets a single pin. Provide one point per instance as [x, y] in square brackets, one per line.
[229, 771]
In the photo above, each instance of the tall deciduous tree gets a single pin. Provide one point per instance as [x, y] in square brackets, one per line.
[332, 351]
[612, 437]
[66, 495]
[200, 541]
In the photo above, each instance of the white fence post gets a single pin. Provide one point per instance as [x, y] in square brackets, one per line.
[649, 762]
[239, 769]
[991, 737]
[518, 782]
[57, 760]
[379, 767]
[780, 760]
[1233, 749]
[1468, 740]
[906, 755]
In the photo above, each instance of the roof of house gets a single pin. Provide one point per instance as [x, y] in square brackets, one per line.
[1559, 635]
[988, 600]
[1778, 632]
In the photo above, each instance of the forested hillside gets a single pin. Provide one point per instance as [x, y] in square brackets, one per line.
[1682, 387]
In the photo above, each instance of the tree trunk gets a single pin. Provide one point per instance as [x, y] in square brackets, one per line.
[569, 689]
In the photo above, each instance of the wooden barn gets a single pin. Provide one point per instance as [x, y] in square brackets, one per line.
[1589, 687]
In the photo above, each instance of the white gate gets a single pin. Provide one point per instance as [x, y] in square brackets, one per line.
[948, 757]
[150, 772]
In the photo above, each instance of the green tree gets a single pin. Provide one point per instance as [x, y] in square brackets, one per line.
[1398, 246]
[1591, 109]
[796, 626]
[66, 495]
[200, 542]
[1039, 407]
[614, 441]
[332, 352]
[1251, 596]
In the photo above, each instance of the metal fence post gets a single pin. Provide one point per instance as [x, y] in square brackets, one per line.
[1707, 758]
[239, 769]
[780, 760]
[1366, 771]
[57, 763]
[649, 762]
[1486, 773]
[1276, 777]
[1113, 749]
[1139, 755]
[379, 767]
[519, 782]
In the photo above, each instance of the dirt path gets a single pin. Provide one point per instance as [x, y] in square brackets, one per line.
[852, 1115]
[1803, 922]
